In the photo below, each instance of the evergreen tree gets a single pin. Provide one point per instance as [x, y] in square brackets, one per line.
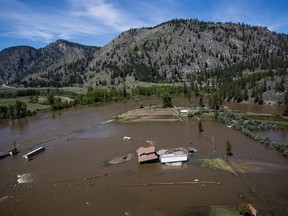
[210, 104]
[200, 128]
[196, 90]
[228, 149]
[285, 113]
[20, 109]
[167, 101]
[201, 103]
[185, 90]
[189, 93]
[215, 101]
[11, 111]
[260, 101]
[124, 92]
[245, 94]
[216, 115]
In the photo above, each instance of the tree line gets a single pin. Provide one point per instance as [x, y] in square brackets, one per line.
[14, 111]
[216, 95]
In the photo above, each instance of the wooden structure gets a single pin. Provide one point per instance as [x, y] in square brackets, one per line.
[146, 154]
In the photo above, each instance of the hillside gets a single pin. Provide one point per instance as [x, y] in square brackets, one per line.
[45, 66]
[179, 49]
[170, 52]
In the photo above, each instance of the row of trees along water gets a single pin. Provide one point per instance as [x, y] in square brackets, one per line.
[216, 94]
[16, 110]
[250, 127]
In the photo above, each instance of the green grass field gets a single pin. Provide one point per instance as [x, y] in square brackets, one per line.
[30, 106]
[78, 90]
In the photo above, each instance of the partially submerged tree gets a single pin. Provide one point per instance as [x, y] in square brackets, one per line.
[200, 128]
[245, 210]
[285, 113]
[201, 101]
[228, 149]
[167, 101]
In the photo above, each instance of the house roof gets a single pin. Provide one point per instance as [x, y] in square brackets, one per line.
[145, 150]
[148, 157]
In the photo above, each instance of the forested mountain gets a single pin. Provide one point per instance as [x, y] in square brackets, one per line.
[173, 51]
[59, 63]
[181, 49]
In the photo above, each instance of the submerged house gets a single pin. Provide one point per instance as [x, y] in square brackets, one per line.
[146, 154]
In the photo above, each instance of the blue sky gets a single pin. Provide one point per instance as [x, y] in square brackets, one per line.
[37, 23]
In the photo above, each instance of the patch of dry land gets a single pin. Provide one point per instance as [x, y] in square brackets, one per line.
[155, 113]
[221, 164]
[239, 166]
[223, 211]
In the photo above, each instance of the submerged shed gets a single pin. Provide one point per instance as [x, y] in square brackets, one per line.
[173, 155]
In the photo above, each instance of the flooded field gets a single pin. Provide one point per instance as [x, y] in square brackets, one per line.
[72, 177]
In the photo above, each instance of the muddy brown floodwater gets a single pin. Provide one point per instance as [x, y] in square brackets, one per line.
[72, 176]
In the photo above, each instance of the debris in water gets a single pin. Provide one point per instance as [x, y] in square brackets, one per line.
[192, 150]
[121, 159]
[24, 178]
[3, 198]
[151, 143]
[90, 178]
[174, 164]
[127, 138]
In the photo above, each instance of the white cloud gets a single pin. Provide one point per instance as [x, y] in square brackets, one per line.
[75, 19]
[228, 11]
[36, 34]
[278, 24]
[102, 20]
[98, 10]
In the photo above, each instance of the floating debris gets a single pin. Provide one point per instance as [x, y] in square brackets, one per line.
[90, 178]
[127, 138]
[151, 143]
[122, 159]
[174, 164]
[24, 178]
[253, 210]
[178, 183]
[192, 150]
[3, 198]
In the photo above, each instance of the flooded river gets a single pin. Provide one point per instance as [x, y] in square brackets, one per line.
[72, 176]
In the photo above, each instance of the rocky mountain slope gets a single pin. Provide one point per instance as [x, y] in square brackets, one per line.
[170, 52]
[27, 65]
